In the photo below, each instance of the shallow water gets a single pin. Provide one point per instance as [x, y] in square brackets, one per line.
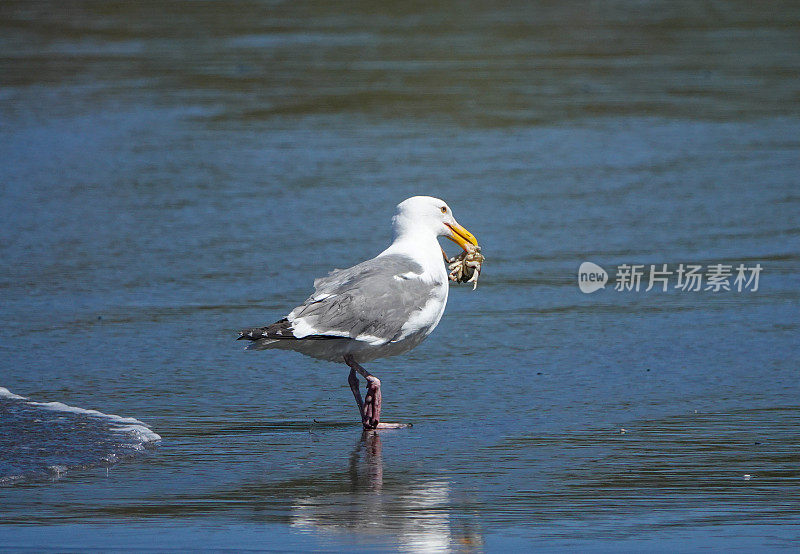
[174, 172]
[43, 440]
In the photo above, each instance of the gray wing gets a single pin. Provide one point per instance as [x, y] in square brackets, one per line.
[373, 298]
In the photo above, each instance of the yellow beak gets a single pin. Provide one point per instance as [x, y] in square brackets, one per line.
[461, 236]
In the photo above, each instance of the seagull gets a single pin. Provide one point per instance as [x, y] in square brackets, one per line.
[382, 307]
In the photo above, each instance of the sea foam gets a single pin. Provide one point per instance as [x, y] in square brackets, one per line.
[119, 423]
[63, 437]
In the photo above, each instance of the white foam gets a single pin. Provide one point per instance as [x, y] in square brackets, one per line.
[139, 430]
[5, 393]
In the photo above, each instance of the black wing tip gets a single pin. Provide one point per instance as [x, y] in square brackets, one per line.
[252, 334]
[278, 330]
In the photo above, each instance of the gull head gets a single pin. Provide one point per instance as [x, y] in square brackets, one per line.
[426, 214]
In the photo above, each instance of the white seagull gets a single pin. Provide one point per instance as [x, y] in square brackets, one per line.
[382, 307]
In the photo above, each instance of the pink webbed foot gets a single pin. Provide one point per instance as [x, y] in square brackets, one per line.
[371, 414]
[370, 406]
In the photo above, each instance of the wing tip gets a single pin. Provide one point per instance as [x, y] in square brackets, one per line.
[279, 330]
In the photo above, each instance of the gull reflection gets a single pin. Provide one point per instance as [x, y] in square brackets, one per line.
[416, 512]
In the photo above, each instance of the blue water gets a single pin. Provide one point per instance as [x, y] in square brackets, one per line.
[44, 440]
[169, 177]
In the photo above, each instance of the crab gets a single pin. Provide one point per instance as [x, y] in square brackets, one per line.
[466, 267]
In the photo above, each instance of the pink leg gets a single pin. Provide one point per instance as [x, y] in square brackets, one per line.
[353, 381]
[370, 409]
[372, 402]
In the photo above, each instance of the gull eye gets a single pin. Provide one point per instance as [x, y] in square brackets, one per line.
[444, 209]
